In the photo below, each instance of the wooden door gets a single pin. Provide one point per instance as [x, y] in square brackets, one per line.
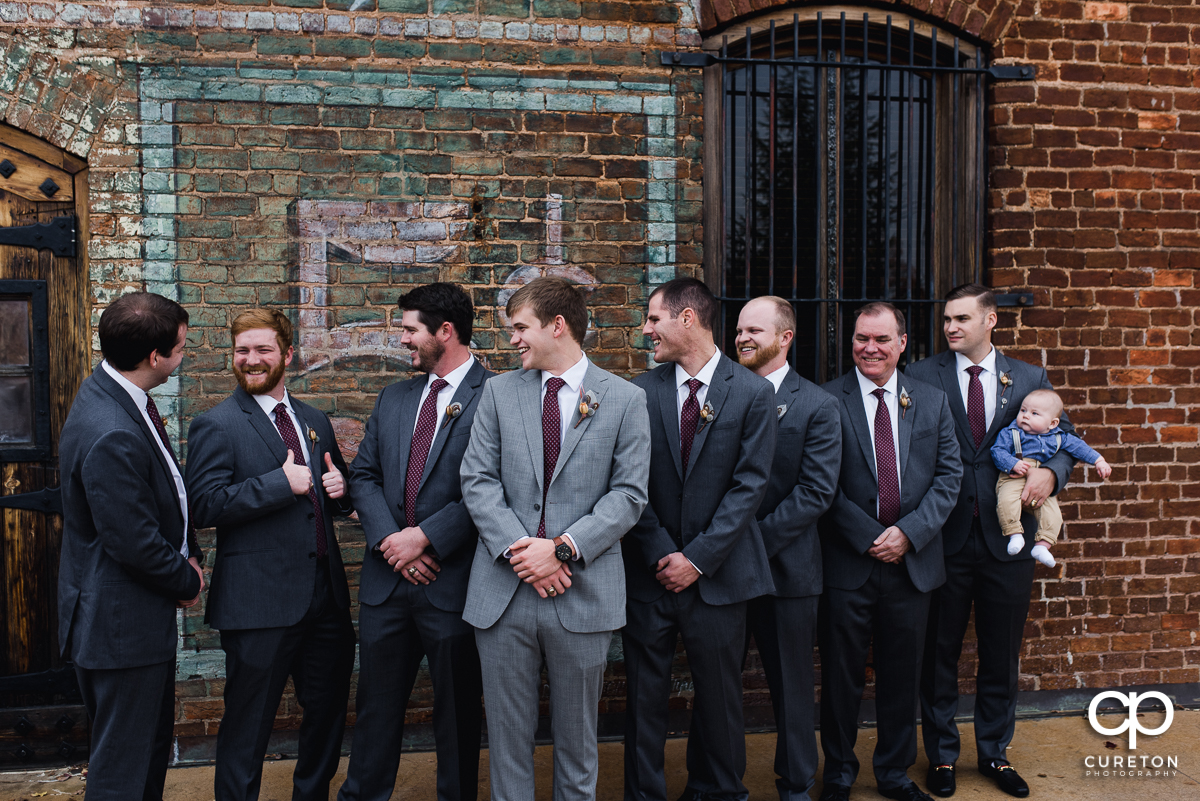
[44, 347]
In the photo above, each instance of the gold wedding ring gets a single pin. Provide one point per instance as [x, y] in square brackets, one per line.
[412, 571]
[553, 591]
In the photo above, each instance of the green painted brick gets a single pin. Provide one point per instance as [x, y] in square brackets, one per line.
[295, 115]
[324, 163]
[346, 117]
[202, 273]
[453, 7]
[518, 9]
[439, 187]
[207, 183]
[394, 185]
[427, 164]
[293, 94]
[445, 77]
[343, 47]
[511, 53]
[409, 98]
[299, 3]
[191, 295]
[375, 163]
[448, 120]
[475, 165]
[273, 160]
[262, 136]
[611, 57]
[233, 91]
[336, 77]
[404, 6]
[487, 187]
[399, 49]
[456, 52]
[285, 45]
[240, 113]
[464, 99]
[224, 42]
[205, 229]
[230, 206]
[366, 140]
[558, 9]
[352, 96]
[380, 77]
[259, 184]
[165, 40]
[459, 142]
[221, 160]
[231, 294]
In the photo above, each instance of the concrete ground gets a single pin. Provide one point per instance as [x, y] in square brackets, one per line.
[1051, 754]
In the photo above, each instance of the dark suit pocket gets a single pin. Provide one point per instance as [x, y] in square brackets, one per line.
[925, 432]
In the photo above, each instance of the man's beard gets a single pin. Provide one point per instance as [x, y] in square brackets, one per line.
[429, 355]
[760, 356]
[273, 377]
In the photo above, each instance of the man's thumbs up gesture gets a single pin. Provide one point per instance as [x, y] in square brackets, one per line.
[332, 480]
[298, 475]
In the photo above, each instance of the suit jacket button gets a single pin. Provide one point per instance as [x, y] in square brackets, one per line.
[312, 554]
[679, 497]
[537, 507]
[970, 497]
[312, 516]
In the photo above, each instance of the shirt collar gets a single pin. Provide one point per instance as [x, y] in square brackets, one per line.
[455, 376]
[776, 378]
[988, 364]
[137, 393]
[705, 375]
[867, 386]
[267, 403]
[573, 374]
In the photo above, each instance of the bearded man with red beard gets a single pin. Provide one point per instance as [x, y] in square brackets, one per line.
[265, 469]
[804, 476]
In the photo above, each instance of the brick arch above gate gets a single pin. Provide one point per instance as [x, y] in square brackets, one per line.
[63, 102]
[985, 20]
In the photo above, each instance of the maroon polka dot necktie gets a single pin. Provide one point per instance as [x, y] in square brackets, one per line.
[689, 416]
[885, 463]
[976, 413]
[156, 418]
[292, 441]
[551, 444]
[418, 451]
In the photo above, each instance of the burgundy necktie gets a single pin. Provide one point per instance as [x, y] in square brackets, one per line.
[688, 418]
[156, 418]
[885, 463]
[418, 451]
[551, 431]
[976, 413]
[290, 439]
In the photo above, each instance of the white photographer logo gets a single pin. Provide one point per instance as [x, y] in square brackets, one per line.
[1132, 701]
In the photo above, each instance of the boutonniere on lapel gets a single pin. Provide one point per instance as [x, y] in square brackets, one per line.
[588, 404]
[707, 414]
[452, 411]
[905, 401]
[780, 411]
[1005, 382]
[313, 438]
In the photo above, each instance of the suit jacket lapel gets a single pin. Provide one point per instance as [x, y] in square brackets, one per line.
[262, 424]
[445, 427]
[399, 428]
[1002, 399]
[905, 422]
[788, 390]
[597, 382]
[852, 397]
[714, 397]
[668, 407]
[530, 395]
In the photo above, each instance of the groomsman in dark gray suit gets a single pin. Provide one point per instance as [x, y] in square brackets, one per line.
[554, 475]
[409, 499]
[985, 389]
[265, 470]
[804, 476]
[696, 555]
[881, 546]
[129, 557]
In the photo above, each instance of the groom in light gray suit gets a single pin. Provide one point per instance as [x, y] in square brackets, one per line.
[555, 473]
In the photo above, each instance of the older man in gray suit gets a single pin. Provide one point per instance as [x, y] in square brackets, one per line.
[696, 556]
[881, 544]
[554, 475]
[265, 469]
[409, 499]
[804, 480]
[129, 556]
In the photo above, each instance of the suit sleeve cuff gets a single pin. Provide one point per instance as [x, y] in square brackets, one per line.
[693, 564]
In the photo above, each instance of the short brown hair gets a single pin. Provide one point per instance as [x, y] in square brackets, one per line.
[883, 307]
[137, 324]
[1049, 395]
[689, 293]
[548, 297]
[985, 297]
[273, 319]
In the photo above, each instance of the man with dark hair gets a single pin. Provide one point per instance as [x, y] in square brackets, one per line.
[881, 548]
[266, 471]
[129, 555]
[409, 500]
[804, 477]
[554, 475]
[985, 389]
[696, 555]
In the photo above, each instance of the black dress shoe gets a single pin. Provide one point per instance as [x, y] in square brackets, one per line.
[940, 780]
[835, 792]
[1006, 778]
[905, 792]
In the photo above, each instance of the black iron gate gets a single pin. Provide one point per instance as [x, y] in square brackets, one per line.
[851, 169]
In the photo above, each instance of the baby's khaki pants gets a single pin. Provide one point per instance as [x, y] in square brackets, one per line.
[1008, 507]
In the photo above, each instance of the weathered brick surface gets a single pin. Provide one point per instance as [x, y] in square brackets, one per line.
[302, 155]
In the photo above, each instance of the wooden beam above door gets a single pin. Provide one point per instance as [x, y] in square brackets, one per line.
[32, 178]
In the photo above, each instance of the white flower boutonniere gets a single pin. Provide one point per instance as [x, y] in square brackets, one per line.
[588, 404]
[452, 411]
[905, 401]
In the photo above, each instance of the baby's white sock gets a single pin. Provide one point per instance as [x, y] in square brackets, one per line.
[1042, 554]
[1015, 543]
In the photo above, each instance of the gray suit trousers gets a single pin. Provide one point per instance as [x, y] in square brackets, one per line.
[515, 647]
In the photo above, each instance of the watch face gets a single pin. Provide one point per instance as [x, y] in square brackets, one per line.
[563, 552]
